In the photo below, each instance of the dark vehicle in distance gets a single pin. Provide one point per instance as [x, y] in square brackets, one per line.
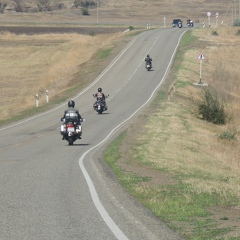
[175, 22]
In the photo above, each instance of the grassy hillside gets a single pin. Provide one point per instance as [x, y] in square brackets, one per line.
[130, 11]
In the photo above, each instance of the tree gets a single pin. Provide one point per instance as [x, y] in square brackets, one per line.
[19, 7]
[85, 11]
[85, 4]
[43, 5]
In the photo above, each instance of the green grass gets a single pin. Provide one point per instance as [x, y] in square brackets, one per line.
[182, 84]
[112, 154]
[227, 135]
[174, 204]
[104, 53]
[187, 39]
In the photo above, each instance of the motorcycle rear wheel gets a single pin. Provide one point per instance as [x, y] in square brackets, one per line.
[70, 141]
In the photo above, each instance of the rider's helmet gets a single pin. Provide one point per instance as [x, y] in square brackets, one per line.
[71, 103]
[99, 89]
[148, 55]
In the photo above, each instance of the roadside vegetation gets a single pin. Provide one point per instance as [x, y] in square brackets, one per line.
[184, 162]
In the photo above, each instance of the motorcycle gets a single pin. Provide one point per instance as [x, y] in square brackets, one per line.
[190, 23]
[180, 24]
[148, 66]
[71, 130]
[100, 105]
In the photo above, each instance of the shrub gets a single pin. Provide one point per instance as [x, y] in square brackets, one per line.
[214, 33]
[85, 11]
[227, 135]
[85, 4]
[236, 23]
[210, 108]
[2, 7]
[238, 32]
[61, 6]
[92, 33]
[131, 28]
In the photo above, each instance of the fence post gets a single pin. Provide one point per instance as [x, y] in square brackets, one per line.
[37, 100]
[47, 96]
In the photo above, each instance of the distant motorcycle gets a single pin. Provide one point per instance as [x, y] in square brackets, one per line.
[71, 130]
[190, 23]
[100, 105]
[180, 24]
[148, 66]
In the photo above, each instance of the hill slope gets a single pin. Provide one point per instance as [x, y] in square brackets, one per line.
[128, 11]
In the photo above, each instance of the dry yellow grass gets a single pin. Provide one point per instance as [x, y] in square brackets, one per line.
[186, 144]
[130, 12]
[220, 67]
[31, 65]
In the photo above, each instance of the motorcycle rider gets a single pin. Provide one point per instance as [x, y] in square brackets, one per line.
[148, 60]
[100, 96]
[72, 114]
[190, 22]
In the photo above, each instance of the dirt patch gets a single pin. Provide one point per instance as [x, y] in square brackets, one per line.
[227, 217]
[46, 30]
[155, 177]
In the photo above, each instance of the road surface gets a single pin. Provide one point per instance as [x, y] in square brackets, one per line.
[50, 190]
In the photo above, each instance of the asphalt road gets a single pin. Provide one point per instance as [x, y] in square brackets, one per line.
[50, 190]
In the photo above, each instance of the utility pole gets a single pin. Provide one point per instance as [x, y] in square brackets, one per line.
[97, 11]
[235, 11]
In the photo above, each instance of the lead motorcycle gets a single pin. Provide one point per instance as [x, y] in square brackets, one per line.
[100, 105]
[71, 130]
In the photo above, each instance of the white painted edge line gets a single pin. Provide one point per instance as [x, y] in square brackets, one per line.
[104, 214]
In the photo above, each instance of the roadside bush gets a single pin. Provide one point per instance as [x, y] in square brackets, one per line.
[214, 33]
[236, 23]
[210, 108]
[238, 32]
[61, 6]
[2, 7]
[43, 5]
[227, 135]
[85, 11]
[85, 4]
[131, 28]
[92, 33]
